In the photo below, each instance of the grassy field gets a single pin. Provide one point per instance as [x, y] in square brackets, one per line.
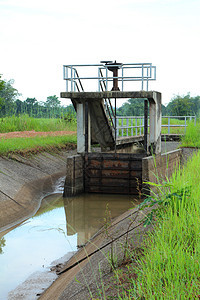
[26, 123]
[36, 144]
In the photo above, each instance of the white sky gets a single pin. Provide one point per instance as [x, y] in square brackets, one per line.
[37, 37]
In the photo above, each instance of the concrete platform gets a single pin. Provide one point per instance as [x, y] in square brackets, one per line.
[110, 94]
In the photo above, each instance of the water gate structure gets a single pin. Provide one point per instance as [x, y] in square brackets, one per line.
[117, 167]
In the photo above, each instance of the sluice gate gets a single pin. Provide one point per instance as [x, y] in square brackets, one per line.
[115, 173]
[112, 170]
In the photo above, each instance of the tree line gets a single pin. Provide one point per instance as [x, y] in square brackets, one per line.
[178, 106]
[52, 108]
[11, 105]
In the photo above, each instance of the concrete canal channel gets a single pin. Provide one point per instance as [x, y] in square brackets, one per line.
[32, 242]
[58, 227]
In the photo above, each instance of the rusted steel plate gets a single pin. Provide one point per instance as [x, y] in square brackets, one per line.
[110, 173]
[94, 164]
[111, 190]
[113, 156]
[117, 165]
[107, 173]
[113, 173]
[109, 182]
[112, 182]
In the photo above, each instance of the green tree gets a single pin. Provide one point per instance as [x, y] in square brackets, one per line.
[8, 96]
[70, 114]
[29, 104]
[184, 105]
[2, 82]
[19, 105]
[53, 105]
[134, 107]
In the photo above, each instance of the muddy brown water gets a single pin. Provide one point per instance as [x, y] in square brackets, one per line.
[58, 228]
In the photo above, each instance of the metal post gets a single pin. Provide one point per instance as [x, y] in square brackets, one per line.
[71, 79]
[106, 79]
[86, 126]
[145, 124]
[131, 126]
[67, 79]
[115, 126]
[147, 78]
[99, 84]
[185, 124]
[122, 79]
[136, 126]
[168, 125]
[74, 81]
[142, 77]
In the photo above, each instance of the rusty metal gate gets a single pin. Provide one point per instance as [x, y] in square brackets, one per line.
[119, 173]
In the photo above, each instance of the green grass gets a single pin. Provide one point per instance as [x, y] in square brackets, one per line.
[26, 123]
[169, 266]
[36, 144]
[192, 136]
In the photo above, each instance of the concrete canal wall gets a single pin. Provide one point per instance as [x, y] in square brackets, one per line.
[157, 168]
[24, 181]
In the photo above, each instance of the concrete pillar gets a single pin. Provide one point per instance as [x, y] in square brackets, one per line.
[80, 108]
[74, 183]
[155, 117]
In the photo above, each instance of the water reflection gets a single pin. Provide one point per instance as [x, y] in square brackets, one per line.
[57, 228]
[85, 214]
[34, 244]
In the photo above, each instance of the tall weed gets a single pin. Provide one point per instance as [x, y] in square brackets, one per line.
[192, 136]
[170, 266]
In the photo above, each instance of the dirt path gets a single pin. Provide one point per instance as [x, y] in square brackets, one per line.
[33, 133]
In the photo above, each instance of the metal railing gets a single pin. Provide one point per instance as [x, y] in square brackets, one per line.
[131, 72]
[130, 126]
[134, 126]
[169, 125]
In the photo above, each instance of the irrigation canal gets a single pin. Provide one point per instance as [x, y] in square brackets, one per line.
[61, 225]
